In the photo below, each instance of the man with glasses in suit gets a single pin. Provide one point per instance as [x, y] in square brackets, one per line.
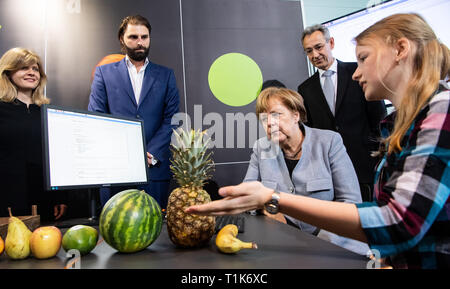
[334, 101]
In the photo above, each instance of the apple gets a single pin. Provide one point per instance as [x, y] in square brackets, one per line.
[45, 242]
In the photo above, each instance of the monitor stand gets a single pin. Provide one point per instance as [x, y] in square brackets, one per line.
[93, 220]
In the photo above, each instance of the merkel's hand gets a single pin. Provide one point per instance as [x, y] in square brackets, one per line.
[237, 199]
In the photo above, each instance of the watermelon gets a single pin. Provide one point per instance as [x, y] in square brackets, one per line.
[130, 221]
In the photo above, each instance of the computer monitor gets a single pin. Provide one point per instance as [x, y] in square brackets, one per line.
[344, 29]
[84, 149]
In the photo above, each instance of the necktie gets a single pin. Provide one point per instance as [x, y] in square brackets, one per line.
[328, 89]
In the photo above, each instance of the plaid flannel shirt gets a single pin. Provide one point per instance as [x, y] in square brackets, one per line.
[409, 221]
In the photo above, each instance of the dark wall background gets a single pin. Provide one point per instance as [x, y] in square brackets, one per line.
[75, 38]
[22, 24]
[266, 31]
[72, 36]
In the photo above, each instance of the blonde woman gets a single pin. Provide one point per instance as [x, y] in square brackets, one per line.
[399, 59]
[22, 82]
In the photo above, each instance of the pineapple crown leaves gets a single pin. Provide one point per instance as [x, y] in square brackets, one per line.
[191, 165]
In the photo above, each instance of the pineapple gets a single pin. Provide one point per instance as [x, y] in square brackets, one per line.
[191, 167]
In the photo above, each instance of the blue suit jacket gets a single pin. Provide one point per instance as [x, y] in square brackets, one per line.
[324, 172]
[112, 92]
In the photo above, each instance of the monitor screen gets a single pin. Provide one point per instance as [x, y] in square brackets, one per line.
[85, 149]
[346, 28]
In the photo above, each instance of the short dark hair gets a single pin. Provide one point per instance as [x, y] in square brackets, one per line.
[272, 83]
[133, 20]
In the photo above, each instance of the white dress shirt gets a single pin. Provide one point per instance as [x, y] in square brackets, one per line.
[333, 67]
[136, 77]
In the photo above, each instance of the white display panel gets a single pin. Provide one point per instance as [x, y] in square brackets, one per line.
[345, 29]
[83, 149]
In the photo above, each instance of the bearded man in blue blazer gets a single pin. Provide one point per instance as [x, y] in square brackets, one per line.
[136, 87]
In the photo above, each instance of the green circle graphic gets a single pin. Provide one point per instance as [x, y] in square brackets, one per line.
[235, 79]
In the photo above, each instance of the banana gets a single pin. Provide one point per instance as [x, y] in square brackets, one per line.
[227, 242]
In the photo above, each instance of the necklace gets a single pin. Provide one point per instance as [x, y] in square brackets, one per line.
[294, 155]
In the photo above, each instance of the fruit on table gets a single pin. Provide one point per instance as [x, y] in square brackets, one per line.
[45, 242]
[2, 246]
[130, 221]
[227, 242]
[80, 237]
[191, 166]
[17, 243]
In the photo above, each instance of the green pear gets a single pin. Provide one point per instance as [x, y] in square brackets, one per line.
[17, 243]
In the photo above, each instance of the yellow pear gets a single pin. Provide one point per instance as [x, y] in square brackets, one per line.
[17, 243]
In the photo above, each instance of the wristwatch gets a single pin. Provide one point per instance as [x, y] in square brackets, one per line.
[272, 206]
[154, 161]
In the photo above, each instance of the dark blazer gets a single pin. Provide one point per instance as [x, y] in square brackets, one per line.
[356, 119]
[112, 92]
[21, 163]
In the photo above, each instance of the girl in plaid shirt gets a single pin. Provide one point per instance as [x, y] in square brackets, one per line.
[399, 59]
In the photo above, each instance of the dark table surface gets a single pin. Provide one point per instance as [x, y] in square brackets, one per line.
[280, 246]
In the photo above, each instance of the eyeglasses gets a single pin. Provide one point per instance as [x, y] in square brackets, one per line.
[275, 116]
[318, 47]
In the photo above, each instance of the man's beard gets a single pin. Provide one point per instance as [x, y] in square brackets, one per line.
[134, 54]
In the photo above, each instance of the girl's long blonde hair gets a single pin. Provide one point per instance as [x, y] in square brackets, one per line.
[13, 60]
[431, 63]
